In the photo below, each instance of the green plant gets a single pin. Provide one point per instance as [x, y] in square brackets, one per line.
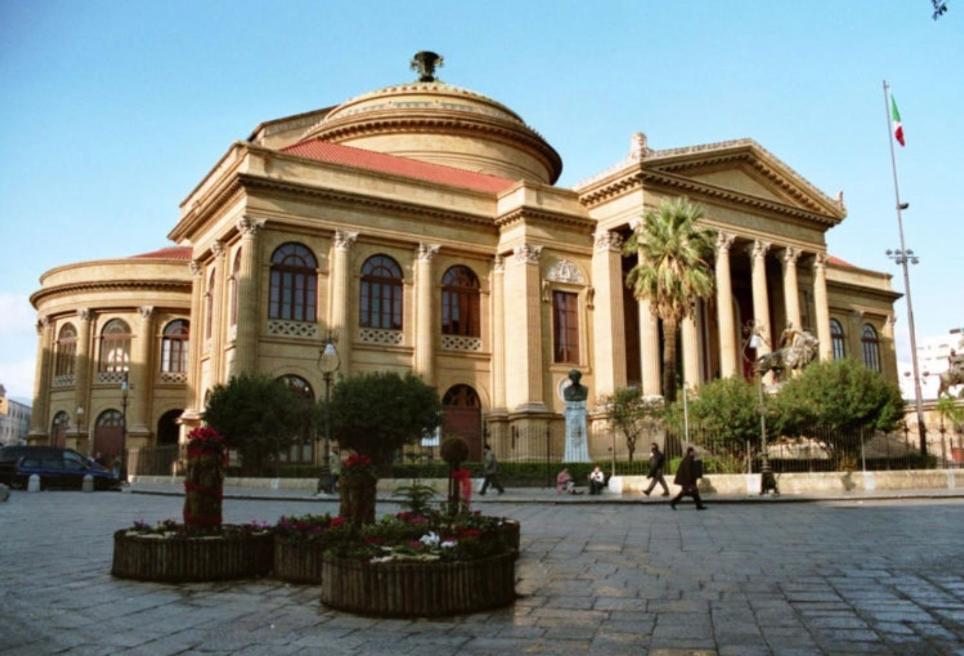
[377, 413]
[416, 497]
[259, 416]
[629, 413]
[672, 271]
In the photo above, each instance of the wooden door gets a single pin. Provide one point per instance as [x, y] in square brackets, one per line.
[462, 416]
[109, 436]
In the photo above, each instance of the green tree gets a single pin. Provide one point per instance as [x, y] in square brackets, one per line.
[630, 414]
[260, 417]
[672, 272]
[724, 418]
[838, 404]
[377, 413]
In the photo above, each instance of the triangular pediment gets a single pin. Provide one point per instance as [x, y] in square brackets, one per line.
[745, 168]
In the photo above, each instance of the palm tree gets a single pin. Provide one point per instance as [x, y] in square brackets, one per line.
[672, 272]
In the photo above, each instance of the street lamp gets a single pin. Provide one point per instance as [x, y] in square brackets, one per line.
[755, 341]
[328, 363]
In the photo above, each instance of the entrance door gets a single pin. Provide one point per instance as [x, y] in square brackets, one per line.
[462, 416]
[109, 436]
[58, 431]
[167, 428]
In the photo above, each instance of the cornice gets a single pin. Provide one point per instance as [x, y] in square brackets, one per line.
[70, 288]
[884, 294]
[636, 179]
[546, 217]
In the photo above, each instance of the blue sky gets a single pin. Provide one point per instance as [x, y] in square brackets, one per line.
[113, 111]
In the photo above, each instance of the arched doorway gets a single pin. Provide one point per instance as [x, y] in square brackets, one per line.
[109, 436]
[462, 416]
[303, 450]
[167, 428]
[58, 430]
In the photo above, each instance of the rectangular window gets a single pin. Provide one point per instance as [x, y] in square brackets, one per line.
[565, 326]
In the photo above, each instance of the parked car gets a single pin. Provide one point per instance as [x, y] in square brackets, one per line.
[56, 467]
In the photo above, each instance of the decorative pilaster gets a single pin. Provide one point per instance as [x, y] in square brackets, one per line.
[523, 330]
[246, 342]
[425, 326]
[339, 324]
[609, 326]
[724, 306]
[649, 347]
[194, 403]
[498, 333]
[140, 374]
[219, 323]
[41, 382]
[761, 303]
[855, 334]
[822, 305]
[791, 294]
[82, 368]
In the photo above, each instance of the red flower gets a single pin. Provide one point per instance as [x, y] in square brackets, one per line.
[357, 460]
[337, 521]
[205, 434]
[467, 533]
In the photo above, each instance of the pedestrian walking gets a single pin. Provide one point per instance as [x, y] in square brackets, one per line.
[657, 461]
[334, 469]
[689, 472]
[490, 471]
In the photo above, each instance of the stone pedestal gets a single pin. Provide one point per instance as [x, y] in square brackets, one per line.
[577, 438]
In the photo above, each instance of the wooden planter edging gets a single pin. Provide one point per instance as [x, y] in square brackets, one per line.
[512, 531]
[298, 562]
[185, 559]
[418, 589]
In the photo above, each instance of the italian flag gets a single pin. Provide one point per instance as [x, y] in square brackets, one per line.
[895, 117]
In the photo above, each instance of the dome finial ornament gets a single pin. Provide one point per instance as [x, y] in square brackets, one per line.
[425, 62]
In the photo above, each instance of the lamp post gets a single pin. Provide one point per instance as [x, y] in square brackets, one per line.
[328, 363]
[905, 257]
[767, 480]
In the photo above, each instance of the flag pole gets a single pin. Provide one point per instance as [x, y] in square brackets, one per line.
[902, 257]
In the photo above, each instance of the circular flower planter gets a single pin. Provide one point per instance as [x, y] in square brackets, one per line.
[177, 558]
[298, 561]
[418, 588]
[512, 532]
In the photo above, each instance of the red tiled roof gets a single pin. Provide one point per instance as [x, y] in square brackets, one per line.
[836, 261]
[410, 168]
[168, 253]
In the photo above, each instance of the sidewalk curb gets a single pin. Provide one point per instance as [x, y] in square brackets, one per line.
[613, 501]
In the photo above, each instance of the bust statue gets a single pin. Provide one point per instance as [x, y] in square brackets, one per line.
[575, 392]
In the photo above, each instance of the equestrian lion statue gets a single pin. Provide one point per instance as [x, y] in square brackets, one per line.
[799, 348]
[953, 376]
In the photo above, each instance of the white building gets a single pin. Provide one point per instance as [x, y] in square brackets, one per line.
[14, 420]
[932, 354]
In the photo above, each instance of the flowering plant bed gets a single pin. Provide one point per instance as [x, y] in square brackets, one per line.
[173, 552]
[300, 542]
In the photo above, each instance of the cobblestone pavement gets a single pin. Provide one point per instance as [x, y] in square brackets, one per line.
[847, 578]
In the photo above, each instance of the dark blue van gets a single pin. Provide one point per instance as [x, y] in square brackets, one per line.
[56, 467]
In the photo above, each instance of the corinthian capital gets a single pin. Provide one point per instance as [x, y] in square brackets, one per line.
[760, 248]
[723, 242]
[498, 265]
[85, 314]
[217, 248]
[42, 323]
[607, 240]
[819, 260]
[196, 268]
[791, 255]
[427, 252]
[527, 254]
[249, 227]
[344, 240]
[146, 311]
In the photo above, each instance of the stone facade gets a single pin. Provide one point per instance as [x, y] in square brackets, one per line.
[420, 227]
[14, 420]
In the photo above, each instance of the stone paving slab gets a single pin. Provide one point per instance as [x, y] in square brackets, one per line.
[874, 577]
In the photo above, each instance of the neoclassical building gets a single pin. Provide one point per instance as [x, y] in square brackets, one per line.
[420, 227]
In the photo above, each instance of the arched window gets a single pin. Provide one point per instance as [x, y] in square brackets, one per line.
[294, 283]
[66, 351]
[234, 282]
[838, 340]
[174, 342]
[380, 296]
[302, 451]
[209, 307]
[115, 347]
[871, 345]
[460, 302]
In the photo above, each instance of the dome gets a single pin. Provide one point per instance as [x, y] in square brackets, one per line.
[435, 122]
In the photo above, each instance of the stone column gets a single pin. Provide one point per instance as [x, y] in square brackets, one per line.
[41, 383]
[724, 305]
[218, 323]
[194, 402]
[523, 330]
[888, 353]
[761, 303]
[339, 323]
[649, 349]
[249, 321]
[82, 368]
[691, 350]
[855, 335]
[141, 371]
[498, 334]
[609, 326]
[425, 326]
[822, 305]
[791, 294]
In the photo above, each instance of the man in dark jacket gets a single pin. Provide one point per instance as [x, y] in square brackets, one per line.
[656, 463]
[689, 472]
[490, 470]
